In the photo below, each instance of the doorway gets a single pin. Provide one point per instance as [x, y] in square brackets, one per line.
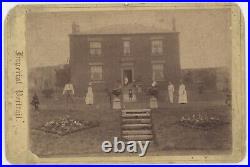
[127, 73]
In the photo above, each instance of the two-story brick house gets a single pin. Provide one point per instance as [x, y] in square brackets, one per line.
[140, 54]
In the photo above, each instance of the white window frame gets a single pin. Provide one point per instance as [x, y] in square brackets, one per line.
[153, 71]
[92, 70]
[159, 49]
[128, 51]
[95, 48]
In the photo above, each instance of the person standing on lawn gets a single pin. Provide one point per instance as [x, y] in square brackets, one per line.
[171, 92]
[68, 92]
[109, 95]
[89, 99]
[35, 102]
[182, 94]
[130, 94]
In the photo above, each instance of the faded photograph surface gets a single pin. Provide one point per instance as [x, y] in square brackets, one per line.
[162, 76]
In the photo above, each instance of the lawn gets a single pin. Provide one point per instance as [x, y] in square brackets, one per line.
[85, 141]
[170, 137]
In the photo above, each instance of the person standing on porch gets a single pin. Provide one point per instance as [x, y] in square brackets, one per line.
[154, 84]
[89, 99]
[171, 92]
[126, 81]
[182, 94]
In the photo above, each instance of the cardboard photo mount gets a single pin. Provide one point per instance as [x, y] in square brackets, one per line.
[16, 86]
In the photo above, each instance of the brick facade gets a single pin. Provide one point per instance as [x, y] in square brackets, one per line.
[114, 62]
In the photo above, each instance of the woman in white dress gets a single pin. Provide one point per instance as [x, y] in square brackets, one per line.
[171, 92]
[89, 99]
[182, 94]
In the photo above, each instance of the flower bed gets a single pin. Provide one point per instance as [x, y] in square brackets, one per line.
[199, 121]
[67, 125]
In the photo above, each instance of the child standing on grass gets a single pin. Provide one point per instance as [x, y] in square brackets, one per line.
[35, 102]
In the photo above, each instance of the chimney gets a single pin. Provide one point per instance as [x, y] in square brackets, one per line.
[75, 28]
[173, 24]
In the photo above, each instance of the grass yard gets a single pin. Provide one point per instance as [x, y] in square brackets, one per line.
[171, 138]
[85, 141]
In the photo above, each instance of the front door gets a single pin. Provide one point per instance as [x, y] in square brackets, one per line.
[127, 73]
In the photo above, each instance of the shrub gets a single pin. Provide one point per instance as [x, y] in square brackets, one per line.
[47, 92]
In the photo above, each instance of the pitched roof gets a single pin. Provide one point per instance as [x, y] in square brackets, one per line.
[125, 29]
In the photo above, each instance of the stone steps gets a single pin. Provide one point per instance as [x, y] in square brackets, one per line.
[133, 105]
[135, 110]
[138, 137]
[136, 125]
[137, 132]
[136, 115]
[134, 120]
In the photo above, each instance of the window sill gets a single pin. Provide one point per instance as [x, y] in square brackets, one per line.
[97, 82]
[157, 54]
[96, 55]
[127, 55]
[163, 80]
[127, 58]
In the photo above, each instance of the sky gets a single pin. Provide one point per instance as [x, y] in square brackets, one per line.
[205, 35]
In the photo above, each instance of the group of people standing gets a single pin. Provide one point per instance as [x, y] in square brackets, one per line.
[89, 97]
[182, 93]
[68, 92]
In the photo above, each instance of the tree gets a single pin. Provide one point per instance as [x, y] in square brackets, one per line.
[62, 76]
[48, 92]
[188, 78]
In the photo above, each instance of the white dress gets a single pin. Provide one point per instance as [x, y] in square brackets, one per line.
[171, 93]
[89, 99]
[182, 94]
[125, 81]
[68, 89]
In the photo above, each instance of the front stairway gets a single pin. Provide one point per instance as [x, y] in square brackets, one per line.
[136, 125]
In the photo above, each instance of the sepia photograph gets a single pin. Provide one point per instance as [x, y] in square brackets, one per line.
[128, 81]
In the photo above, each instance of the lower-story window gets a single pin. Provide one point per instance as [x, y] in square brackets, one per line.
[96, 73]
[158, 72]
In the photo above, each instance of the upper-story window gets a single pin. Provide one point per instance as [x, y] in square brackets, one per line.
[95, 48]
[157, 46]
[126, 48]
